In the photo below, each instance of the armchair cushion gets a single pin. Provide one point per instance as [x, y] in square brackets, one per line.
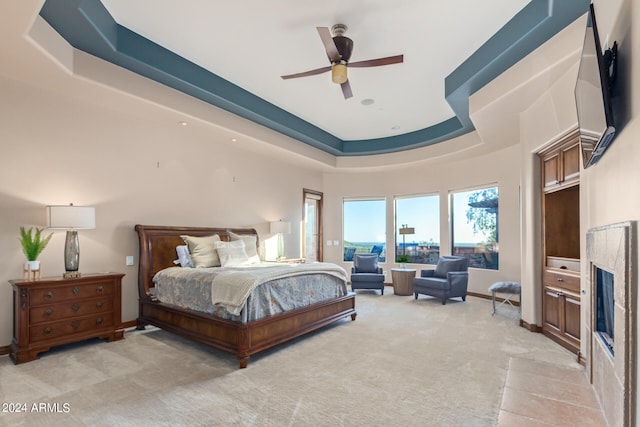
[446, 264]
[366, 263]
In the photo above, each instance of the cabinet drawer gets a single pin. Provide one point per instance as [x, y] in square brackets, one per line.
[561, 280]
[53, 312]
[64, 293]
[47, 331]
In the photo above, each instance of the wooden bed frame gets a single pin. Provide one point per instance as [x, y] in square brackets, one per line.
[158, 251]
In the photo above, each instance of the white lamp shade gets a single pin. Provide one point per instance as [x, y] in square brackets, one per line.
[280, 227]
[71, 217]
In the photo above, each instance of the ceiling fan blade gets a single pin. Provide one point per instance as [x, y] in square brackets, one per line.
[346, 90]
[397, 59]
[329, 45]
[307, 73]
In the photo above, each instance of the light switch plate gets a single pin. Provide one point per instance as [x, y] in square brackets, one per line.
[129, 260]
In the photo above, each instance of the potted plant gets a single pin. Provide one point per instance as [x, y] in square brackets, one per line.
[33, 243]
[402, 260]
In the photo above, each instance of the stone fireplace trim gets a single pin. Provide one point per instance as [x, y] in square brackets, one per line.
[613, 248]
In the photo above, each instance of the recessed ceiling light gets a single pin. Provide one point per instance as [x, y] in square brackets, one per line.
[367, 101]
[395, 127]
[183, 123]
[234, 139]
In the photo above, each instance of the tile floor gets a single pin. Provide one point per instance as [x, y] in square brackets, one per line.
[540, 394]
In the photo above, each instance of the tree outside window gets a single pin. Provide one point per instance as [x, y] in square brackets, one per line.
[475, 226]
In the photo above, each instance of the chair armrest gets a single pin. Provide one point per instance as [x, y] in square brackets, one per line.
[379, 270]
[427, 273]
[353, 270]
[458, 279]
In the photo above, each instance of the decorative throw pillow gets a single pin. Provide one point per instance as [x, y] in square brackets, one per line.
[184, 257]
[366, 263]
[446, 265]
[202, 250]
[232, 253]
[250, 245]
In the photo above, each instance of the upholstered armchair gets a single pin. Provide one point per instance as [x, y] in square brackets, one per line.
[448, 280]
[366, 273]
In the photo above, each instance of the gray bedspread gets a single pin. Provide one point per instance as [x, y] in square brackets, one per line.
[287, 287]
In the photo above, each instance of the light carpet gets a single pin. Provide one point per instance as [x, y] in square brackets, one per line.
[402, 362]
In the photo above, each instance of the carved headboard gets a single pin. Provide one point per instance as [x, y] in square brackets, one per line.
[158, 248]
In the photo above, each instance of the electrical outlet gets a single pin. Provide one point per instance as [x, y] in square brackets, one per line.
[336, 243]
[129, 260]
[329, 242]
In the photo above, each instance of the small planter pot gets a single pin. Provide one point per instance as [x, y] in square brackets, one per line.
[32, 265]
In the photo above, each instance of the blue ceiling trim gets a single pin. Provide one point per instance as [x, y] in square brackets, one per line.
[88, 26]
[525, 32]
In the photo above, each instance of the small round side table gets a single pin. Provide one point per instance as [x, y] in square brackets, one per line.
[402, 279]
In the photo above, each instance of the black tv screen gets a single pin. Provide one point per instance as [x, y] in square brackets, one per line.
[593, 96]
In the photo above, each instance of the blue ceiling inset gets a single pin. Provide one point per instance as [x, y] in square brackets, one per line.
[88, 26]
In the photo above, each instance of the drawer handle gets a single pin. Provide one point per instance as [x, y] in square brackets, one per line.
[75, 307]
[75, 324]
[75, 290]
[47, 330]
[99, 288]
[47, 312]
[99, 304]
[560, 279]
[48, 294]
[99, 321]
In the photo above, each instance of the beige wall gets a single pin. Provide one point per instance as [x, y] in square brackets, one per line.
[58, 149]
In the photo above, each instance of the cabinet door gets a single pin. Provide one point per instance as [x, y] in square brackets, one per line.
[551, 170]
[572, 318]
[551, 309]
[570, 162]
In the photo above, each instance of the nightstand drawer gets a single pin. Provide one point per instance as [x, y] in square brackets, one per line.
[561, 280]
[50, 313]
[64, 293]
[51, 330]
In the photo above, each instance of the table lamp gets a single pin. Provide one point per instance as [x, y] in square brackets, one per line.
[71, 218]
[280, 227]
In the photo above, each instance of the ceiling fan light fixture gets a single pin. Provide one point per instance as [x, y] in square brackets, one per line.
[339, 73]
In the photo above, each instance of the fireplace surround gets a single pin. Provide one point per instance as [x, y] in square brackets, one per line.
[611, 360]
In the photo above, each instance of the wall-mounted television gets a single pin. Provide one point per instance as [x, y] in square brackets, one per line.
[593, 95]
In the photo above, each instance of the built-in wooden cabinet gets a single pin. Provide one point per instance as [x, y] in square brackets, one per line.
[561, 305]
[561, 166]
[560, 170]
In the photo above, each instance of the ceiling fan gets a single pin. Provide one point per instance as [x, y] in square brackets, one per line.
[339, 50]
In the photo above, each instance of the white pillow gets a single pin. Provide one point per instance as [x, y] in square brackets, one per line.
[250, 245]
[202, 250]
[232, 253]
[184, 257]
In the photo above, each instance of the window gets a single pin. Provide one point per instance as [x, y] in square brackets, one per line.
[475, 226]
[418, 229]
[364, 227]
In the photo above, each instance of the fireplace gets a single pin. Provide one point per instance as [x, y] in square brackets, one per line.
[604, 313]
[611, 320]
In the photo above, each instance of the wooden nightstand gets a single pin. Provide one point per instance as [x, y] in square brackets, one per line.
[55, 311]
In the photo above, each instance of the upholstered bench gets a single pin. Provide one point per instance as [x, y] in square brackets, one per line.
[508, 288]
